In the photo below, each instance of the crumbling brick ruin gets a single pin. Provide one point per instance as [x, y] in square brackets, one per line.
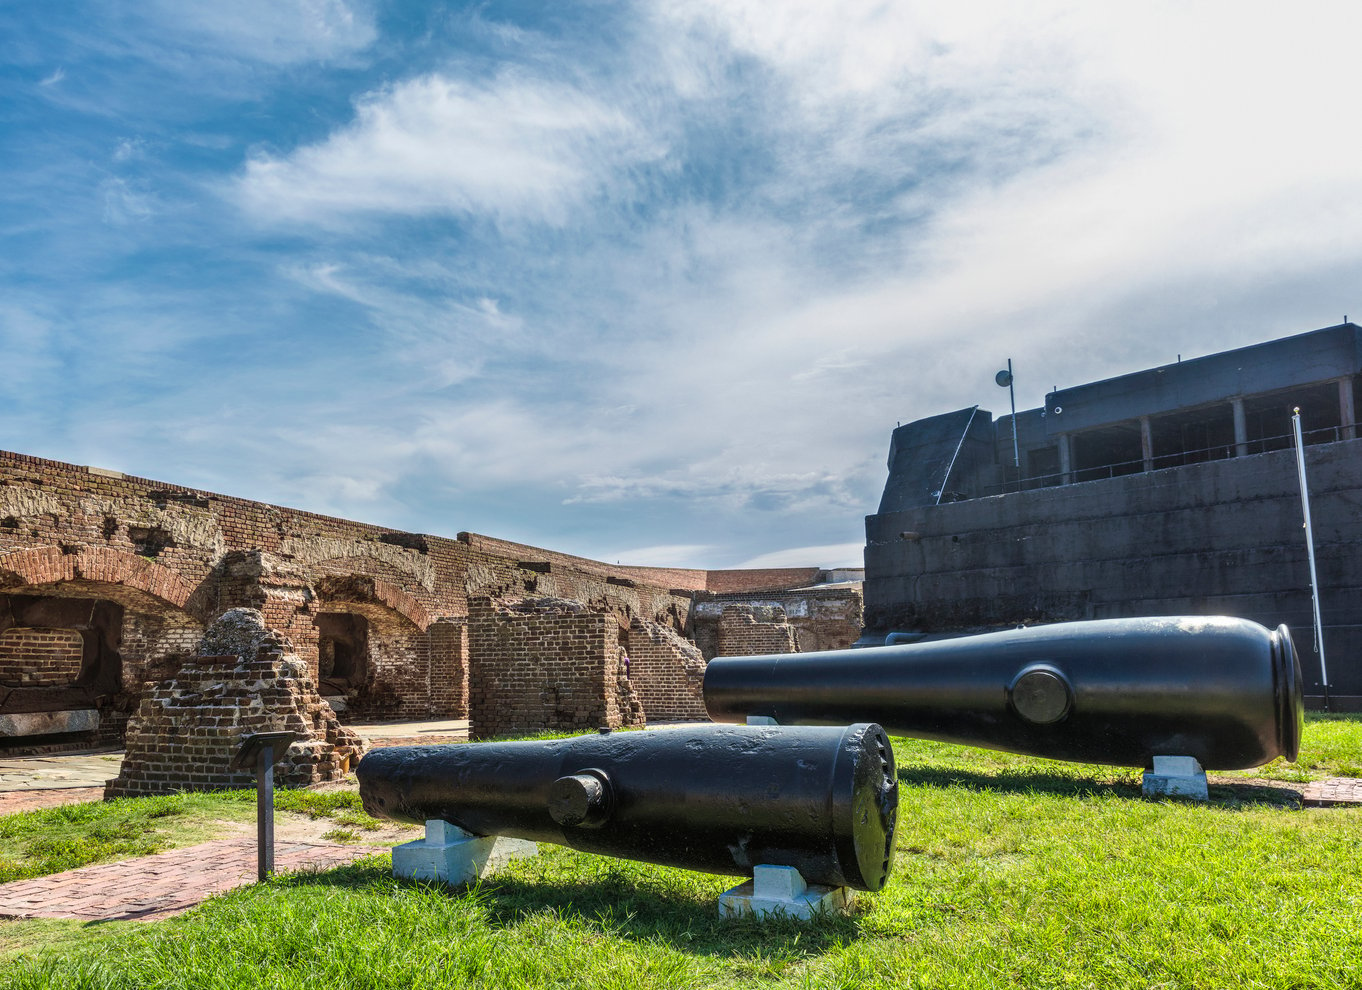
[586, 687]
[108, 584]
[190, 725]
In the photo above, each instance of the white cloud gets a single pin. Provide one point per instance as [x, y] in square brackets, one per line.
[512, 147]
[57, 76]
[776, 229]
[125, 205]
[275, 31]
[665, 555]
[826, 555]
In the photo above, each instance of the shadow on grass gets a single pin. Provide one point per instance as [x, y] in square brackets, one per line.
[614, 905]
[1223, 793]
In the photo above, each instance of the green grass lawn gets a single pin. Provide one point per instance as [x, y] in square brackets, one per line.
[1010, 872]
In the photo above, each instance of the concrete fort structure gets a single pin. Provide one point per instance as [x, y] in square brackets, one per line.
[108, 584]
[1168, 491]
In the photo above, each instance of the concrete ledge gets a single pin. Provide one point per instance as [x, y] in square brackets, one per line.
[49, 723]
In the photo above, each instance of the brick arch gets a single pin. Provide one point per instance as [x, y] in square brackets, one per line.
[52, 565]
[365, 590]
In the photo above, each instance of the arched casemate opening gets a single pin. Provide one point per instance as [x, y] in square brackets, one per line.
[374, 654]
[79, 635]
[342, 653]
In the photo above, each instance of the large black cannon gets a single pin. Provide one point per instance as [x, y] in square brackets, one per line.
[1117, 691]
[718, 799]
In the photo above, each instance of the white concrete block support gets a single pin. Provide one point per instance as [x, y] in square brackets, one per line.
[1176, 776]
[761, 720]
[777, 890]
[453, 856]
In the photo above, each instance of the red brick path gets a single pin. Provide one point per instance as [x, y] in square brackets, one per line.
[12, 802]
[154, 887]
[1333, 790]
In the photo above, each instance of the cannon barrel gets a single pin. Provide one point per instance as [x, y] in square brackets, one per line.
[718, 799]
[1117, 691]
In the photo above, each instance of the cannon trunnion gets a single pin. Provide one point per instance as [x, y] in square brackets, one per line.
[718, 799]
[1117, 691]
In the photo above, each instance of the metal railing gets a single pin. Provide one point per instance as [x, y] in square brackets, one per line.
[1116, 469]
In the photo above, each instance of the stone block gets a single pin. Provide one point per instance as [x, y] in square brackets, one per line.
[1176, 776]
[49, 723]
[455, 857]
[781, 890]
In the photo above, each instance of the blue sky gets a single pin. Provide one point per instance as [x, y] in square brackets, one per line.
[652, 281]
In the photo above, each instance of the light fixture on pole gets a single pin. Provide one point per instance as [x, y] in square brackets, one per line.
[1004, 380]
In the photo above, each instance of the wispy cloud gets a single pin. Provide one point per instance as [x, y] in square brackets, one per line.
[510, 147]
[660, 275]
[275, 31]
[826, 555]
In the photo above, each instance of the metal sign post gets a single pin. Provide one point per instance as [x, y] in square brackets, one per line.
[261, 748]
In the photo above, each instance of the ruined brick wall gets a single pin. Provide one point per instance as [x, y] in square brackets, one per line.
[40, 657]
[750, 630]
[682, 580]
[545, 664]
[498, 569]
[824, 618]
[667, 672]
[189, 726]
[755, 579]
[174, 559]
[449, 667]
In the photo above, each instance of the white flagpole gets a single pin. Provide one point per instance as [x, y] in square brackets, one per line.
[1310, 550]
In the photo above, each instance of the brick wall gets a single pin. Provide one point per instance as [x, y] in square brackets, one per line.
[827, 617]
[40, 657]
[752, 630]
[189, 726]
[545, 664]
[174, 559]
[667, 672]
[449, 668]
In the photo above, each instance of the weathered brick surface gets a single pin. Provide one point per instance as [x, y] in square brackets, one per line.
[667, 671]
[190, 725]
[174, 559]
[546, 664]
[824, 618]
[39, 657]
[751, 630]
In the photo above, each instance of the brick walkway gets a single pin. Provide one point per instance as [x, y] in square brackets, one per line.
[154, 887]
[1332, 791]
[12, 802]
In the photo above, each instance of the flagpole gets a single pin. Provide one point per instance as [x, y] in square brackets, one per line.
[1310, 550]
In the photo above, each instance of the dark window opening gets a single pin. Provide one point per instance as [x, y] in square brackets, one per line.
[1267, 418]
[1193, 437]
[1108, 452]
[342, 652]
[1042, 467]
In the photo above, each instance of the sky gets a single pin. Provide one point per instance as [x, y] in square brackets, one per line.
[648, 282]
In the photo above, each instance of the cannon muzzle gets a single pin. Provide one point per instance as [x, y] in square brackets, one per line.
[718, 799]
[1116, 691]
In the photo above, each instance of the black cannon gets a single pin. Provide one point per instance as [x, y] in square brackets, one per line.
[1117, 691]
[718, 799]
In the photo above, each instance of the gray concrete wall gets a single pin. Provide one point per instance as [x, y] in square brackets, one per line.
[1302, 359]
[1223, 537]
